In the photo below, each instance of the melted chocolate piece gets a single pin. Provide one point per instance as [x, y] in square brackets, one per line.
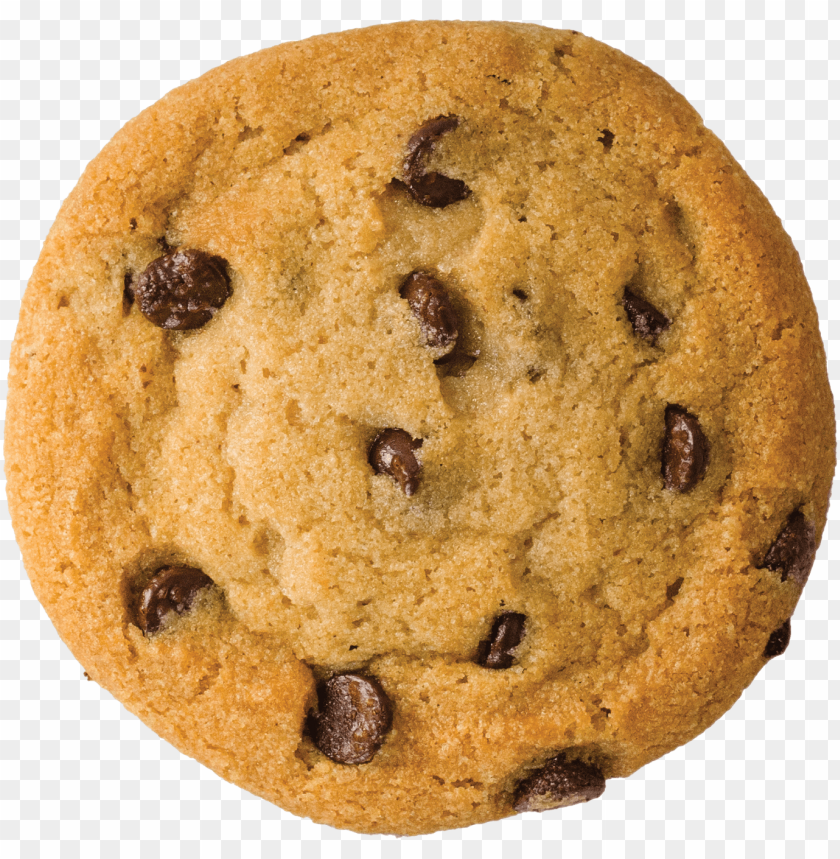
[685, 452]
[172, 589]
[778, 642]
[430, 304]
[431, 189]
[497, 651]
[354, 714]
[456, 363]
[128, 293]
[559, 784]
[392, 453]
[606, 139]
[793, 551]
[646, 320]
[182, 290]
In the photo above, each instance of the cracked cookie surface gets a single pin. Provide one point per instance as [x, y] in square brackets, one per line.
[477, 379]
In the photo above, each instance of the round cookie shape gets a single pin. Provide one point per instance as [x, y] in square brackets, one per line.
[422, 424]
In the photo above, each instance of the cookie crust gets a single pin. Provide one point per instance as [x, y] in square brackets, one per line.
[241, 448]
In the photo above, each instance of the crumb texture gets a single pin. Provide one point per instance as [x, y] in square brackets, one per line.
[592, 260]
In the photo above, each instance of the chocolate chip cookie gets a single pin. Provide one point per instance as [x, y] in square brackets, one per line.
[421, 424]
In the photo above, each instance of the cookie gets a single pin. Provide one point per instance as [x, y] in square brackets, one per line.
[421, 424]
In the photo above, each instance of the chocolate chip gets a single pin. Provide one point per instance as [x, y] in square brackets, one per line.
[354, 714]
[172, 589]
[685, 452]
[182, 290]
[430, 304]
[793, 551]
[497, 651]
[431, 189]
[456, 364]
[128, 293]
[392, 453]
[606, 139]
[778, 642]
[436, 190]
[674, 588]
[646, 320]
[559, 784]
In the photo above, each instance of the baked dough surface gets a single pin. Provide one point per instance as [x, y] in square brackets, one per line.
[241, 447]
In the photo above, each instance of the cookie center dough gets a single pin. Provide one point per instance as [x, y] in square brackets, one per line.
[525, 334]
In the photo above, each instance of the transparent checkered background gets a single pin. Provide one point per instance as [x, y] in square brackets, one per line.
[83, 778]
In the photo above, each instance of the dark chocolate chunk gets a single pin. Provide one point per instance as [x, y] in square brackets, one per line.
[456, 363]
[172, 589]
[354, 714]
[646, 320]
[674, 588]
[436, 190]
[793, 551]
[128, 293]
[778, 642]
[431, 189]
[430, 304]
[182, 290]
[497, 651]
[560, 783]
[685, 452]
[392, 453]
[606, 139]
